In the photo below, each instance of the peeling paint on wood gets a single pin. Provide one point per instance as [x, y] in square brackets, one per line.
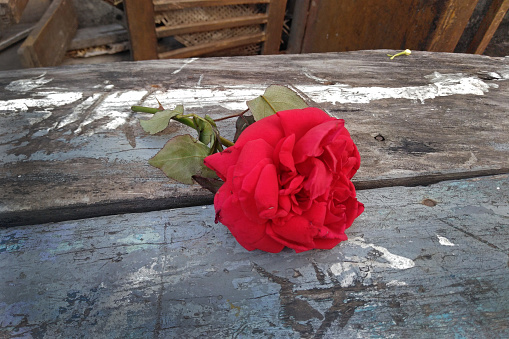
[175, 273]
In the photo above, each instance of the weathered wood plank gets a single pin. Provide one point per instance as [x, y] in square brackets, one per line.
[11, 11]
[47, 43]
[165, 5]
[331, 25]
[14, 34]
[488, 26]
[274, 27]
[98, 36]
[74, 148]
[450, 25]
[213, 46]
[142, 31]
[420, 262]
[194, 27]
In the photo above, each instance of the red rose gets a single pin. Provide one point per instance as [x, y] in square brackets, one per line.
[287, 182]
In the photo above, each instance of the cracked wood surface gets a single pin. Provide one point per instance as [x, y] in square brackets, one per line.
[427, 261]
[72, 149]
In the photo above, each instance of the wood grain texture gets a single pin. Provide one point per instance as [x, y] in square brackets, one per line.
[450, 25]
[488, 26]
[99, 36]
[49, 40]
[407, 270]
[73, 149]
[370, 24]
[141, 27]
[14, 34]
[213, 46]
[298, 26]
[274, 27]
[11, 11]
[332, 25]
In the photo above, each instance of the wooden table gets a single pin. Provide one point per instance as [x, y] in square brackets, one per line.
[95, 243]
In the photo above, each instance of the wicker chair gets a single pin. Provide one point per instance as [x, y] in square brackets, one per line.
[161, 29]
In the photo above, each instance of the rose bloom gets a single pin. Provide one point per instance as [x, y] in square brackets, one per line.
[287, 182]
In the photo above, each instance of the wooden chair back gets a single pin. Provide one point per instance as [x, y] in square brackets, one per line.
[203, 27]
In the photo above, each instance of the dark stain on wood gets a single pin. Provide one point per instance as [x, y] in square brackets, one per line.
[296, 309]
[413, 147]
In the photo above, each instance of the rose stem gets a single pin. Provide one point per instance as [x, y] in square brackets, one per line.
[226, 142]
[179, 118]
[232, 116]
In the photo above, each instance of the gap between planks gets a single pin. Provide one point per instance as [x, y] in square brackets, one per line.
[141, 205]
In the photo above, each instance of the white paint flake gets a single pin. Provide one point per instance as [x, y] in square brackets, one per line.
[113, 111]
[231, 97]
[79, 111]
[187, 62]
[394, 261]
[396, 283]
[312, 77]
[37, 116]
[25, 85]
[472, 160]
[142, 275]
[349, 272]
[444, 241]
[440, 85]
[40, 101]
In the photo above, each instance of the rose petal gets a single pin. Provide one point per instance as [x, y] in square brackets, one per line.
[247, 189]
[327, 244]
[296, 233]
[318, 178]
[268, 129]
[293, 186]
[299, 121]
[329, 158]
[252, 153]
[245, 231]
[310, 145]
[255, 155]
[316, 213]
[283, 154]
[225, 192]
[266, 192]
[268, 244]
[220, 162]
[285, 205]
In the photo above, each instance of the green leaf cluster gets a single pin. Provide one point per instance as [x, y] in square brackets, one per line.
[182, 157]
[160, 120]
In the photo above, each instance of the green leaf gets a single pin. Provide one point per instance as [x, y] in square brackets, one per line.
[216, 142]
[241, 124]
[182, 158]
[276, 98]
[160, 120]
[205, 130]
[211, 184]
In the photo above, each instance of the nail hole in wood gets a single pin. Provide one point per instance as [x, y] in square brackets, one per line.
[429, 202]
[380, 137]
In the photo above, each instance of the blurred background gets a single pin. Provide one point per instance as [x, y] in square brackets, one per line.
[39, 33]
